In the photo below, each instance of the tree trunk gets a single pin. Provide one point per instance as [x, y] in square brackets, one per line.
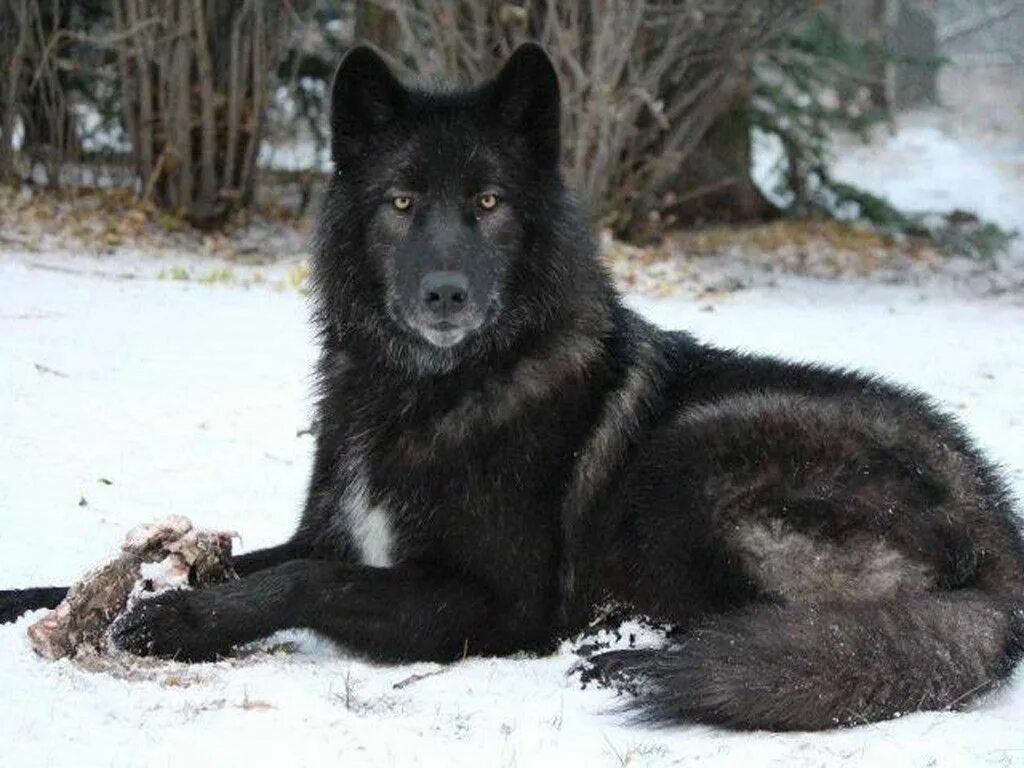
[376, 24]
[714, 182]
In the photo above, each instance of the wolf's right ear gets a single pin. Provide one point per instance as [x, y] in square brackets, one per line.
[365, 97]
[527, 99]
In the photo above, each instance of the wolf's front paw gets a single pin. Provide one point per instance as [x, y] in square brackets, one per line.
[168, 626]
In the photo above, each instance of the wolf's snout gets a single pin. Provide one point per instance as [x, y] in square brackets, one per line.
[444, 294]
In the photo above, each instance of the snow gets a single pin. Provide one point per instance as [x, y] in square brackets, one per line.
[190, 398]
[923, 166]
[125, 397]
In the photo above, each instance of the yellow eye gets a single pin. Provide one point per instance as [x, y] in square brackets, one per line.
[402, 202]
[488, 201]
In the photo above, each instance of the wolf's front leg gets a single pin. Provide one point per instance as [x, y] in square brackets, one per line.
[261, 559]
[387, 613]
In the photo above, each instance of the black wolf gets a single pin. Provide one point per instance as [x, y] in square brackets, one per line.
[503, 446]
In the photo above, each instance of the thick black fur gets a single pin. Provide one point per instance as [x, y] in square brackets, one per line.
[829, 547]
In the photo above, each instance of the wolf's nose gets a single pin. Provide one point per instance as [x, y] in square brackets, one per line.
[444, 294]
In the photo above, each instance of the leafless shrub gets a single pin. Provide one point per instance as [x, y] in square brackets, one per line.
[642, 81]
[31, 44]
[194, 81]
[13, 41]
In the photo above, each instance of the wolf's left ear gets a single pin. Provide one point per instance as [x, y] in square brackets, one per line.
[527, 100]
[365, 97]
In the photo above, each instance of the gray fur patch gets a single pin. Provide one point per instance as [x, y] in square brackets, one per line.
[796, 566]
[503, 397]
[625, 413]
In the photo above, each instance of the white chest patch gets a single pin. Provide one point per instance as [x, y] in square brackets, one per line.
[369, 526]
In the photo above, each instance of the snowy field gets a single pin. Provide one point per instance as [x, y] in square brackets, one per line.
[122, 400]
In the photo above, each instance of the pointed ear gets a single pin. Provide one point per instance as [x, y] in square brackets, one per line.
[365, 98]
[527, 100]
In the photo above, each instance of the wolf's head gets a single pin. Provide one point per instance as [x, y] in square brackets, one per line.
[447, 233]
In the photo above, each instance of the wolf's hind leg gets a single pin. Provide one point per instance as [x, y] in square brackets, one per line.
[15, 602]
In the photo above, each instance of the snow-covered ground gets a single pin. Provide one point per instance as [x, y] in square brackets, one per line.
[926, 166]
[189, 398]
[124, 397]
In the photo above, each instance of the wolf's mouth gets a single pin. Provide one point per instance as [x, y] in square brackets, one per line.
[444, 334]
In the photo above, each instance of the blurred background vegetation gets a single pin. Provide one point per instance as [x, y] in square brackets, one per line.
[204, 109]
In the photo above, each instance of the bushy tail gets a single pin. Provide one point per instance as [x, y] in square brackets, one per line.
[14, 602]
[803, 667]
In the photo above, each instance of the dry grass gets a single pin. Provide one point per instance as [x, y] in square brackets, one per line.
[710, 262]
[722, 259]
[99, 221]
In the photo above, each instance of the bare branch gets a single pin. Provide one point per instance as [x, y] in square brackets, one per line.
[985, 18]
[641, 81]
